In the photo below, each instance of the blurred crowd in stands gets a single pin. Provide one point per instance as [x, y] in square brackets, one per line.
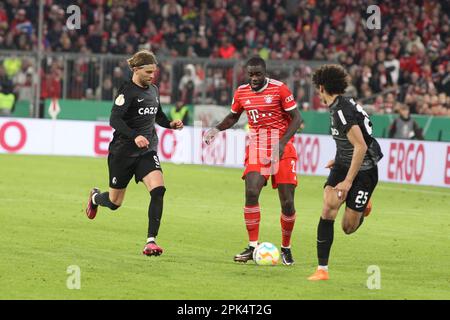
[407, 60]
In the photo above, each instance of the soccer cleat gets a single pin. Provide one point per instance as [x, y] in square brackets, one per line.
[91, 208]
[319, 275]
[368, 209]
[286, 256]
[245, 255]
[152, 249]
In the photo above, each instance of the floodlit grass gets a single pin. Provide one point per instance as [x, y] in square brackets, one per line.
[44, 230]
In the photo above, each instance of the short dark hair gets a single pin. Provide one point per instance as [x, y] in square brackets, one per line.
[332, 77]
[256, 61]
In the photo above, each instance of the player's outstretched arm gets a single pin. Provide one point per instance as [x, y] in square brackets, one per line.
[162, 119]
[230, 120]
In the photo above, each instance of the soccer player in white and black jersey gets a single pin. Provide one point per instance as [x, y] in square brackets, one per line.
[354, 172]
[133, 150]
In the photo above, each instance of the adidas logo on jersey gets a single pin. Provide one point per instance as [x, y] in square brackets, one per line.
[248, 101]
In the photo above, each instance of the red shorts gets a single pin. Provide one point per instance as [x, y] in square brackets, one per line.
[282, 172]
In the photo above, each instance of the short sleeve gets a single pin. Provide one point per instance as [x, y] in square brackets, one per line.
[287, 98]
[345, 118]
[236, 106]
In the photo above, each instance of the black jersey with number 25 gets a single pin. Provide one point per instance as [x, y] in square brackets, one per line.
[345, 113]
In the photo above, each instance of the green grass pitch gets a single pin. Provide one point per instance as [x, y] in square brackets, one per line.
[44, 230]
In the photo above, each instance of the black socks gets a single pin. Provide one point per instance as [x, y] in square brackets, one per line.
[102, 199]
[325, 234]
[155, 210]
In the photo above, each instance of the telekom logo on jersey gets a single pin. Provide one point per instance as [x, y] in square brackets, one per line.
[253, 114]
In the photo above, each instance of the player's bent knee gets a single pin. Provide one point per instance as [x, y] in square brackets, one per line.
[348, 229]
[158, 192]
[287, 206]
[329, 212]
[252, 194]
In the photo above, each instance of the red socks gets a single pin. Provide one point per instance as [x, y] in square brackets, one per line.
[252, 217]
[287, 225]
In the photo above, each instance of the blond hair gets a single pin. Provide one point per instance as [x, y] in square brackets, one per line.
[141, 58]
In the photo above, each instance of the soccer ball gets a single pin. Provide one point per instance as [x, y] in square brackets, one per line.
[266, 254]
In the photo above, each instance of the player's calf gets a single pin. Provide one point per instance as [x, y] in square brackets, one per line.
[102, 199]
[352, 220]
[155, 210]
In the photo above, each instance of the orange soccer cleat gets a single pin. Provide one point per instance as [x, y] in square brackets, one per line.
[320, 274]
[368, 209]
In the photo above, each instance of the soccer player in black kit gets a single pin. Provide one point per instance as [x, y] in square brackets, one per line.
[133, 148]
[354, 172]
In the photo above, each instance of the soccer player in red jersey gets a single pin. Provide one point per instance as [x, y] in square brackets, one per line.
[273, 119]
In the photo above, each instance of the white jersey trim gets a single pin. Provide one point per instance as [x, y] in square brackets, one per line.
[276, 82]
[265, 86]
[291, 108]
[341, 116]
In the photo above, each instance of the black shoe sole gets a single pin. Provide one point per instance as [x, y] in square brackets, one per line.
[244, 260]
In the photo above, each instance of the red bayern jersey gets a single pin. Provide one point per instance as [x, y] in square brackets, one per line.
[266, 108]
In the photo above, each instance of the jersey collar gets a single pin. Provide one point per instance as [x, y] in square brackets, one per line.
[264, 86]
[335, 102]
[135, 84]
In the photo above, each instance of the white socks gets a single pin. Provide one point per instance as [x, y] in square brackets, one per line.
[322, 268]
[151, 239]
[253, 244]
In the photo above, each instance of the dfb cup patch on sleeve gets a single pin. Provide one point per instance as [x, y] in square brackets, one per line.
[120, 100]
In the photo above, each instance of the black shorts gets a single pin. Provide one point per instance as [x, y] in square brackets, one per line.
[122, 169]
[362, 187]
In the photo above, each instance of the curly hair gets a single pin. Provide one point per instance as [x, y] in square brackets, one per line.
[332, 77]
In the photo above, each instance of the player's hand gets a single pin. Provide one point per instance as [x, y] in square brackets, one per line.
[141, 142]
[330, 164]
[277, 152]
[210, 135]
[342, 189]
[177, 124]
